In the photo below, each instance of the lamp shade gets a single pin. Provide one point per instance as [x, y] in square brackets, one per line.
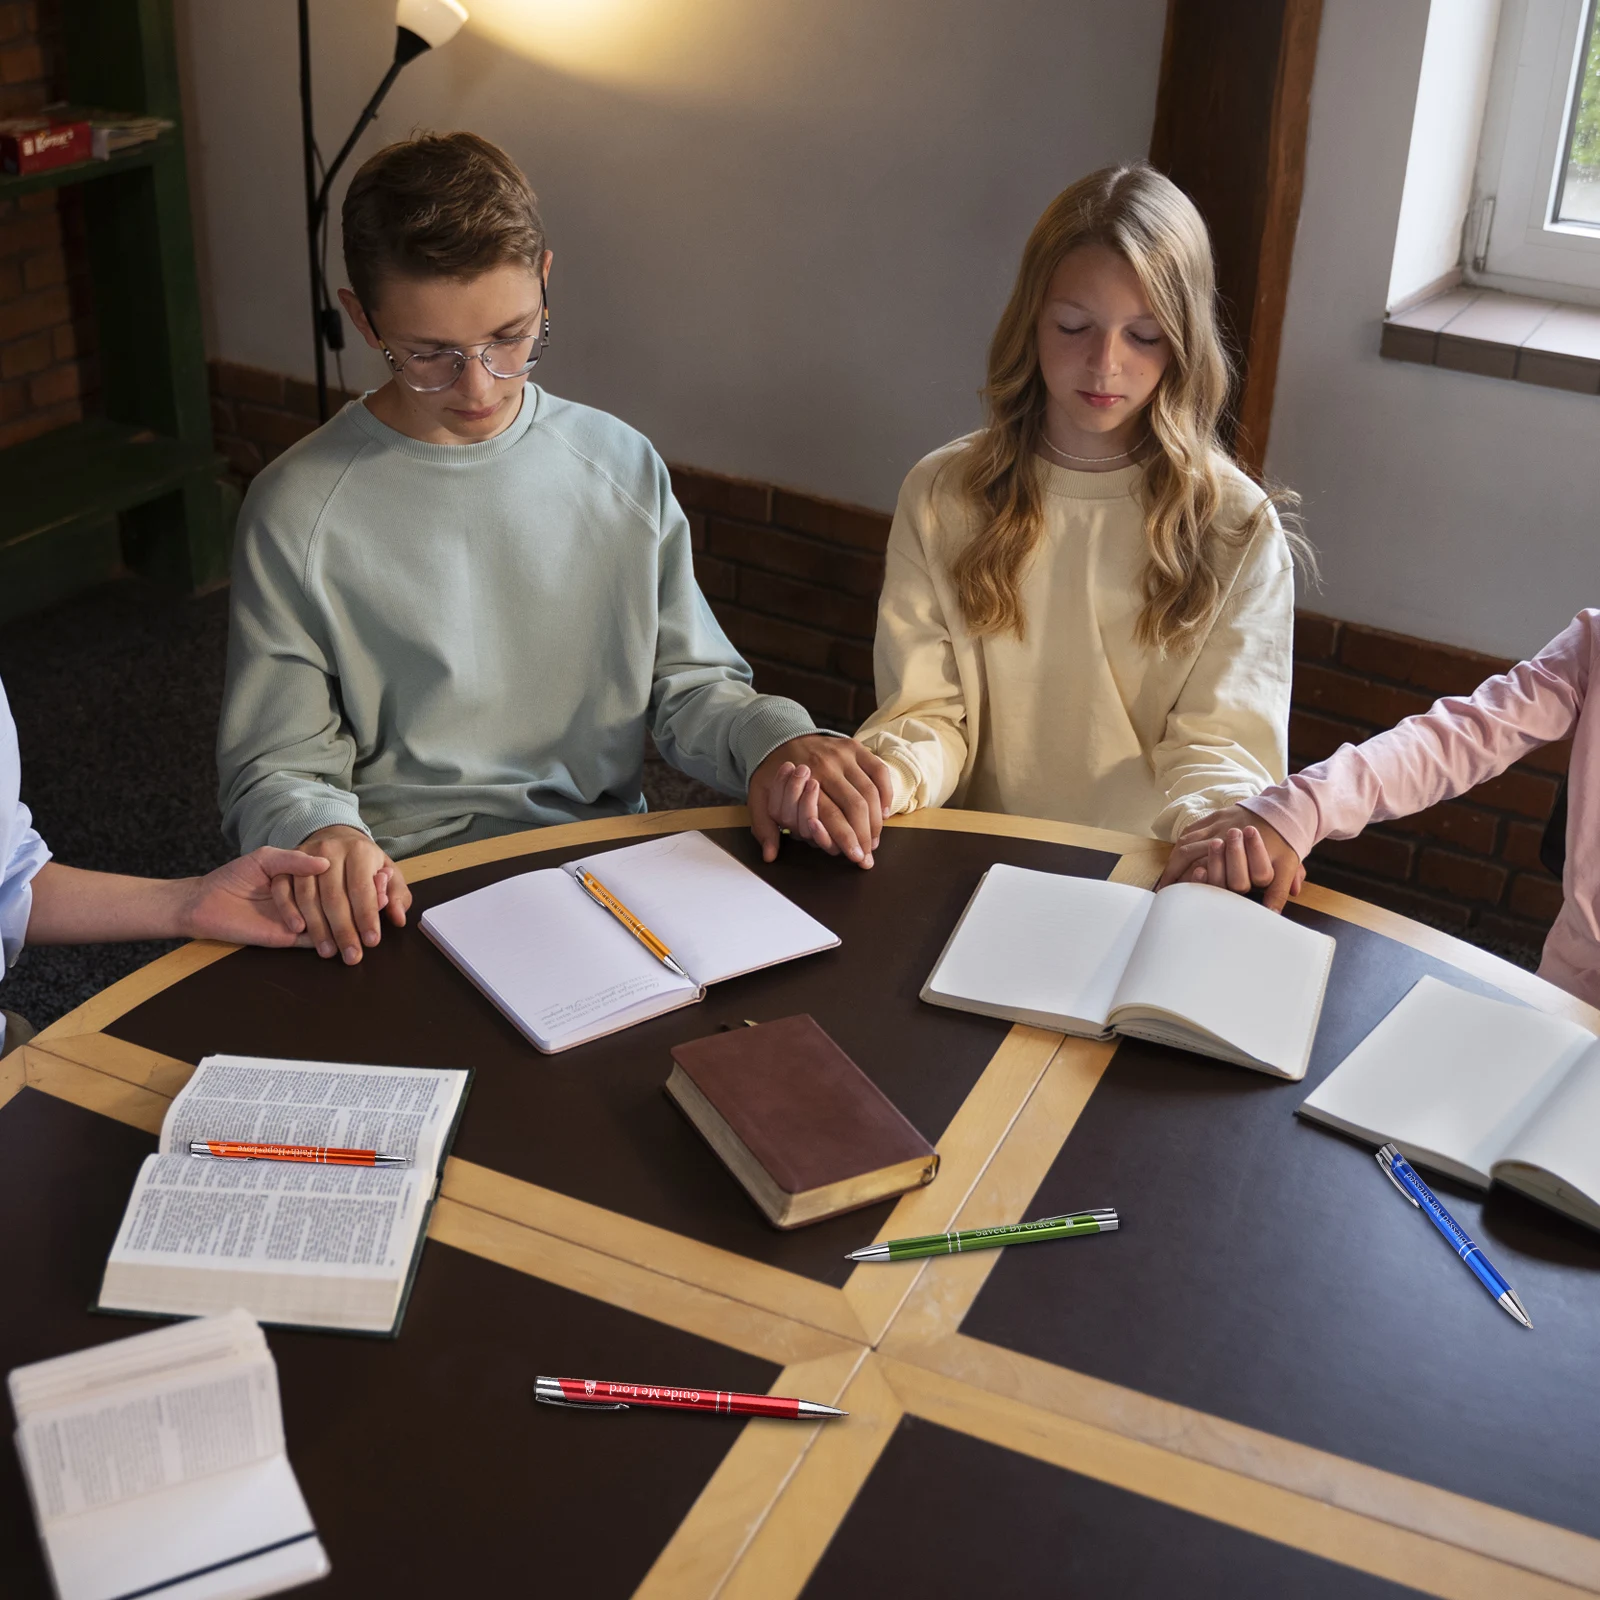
[434, 22]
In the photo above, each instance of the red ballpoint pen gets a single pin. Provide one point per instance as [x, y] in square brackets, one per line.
[599, 1394]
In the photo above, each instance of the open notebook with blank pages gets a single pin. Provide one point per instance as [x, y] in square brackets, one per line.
[290, 1242]
[1199, 968]
[156, 1467]
[1482, 1090]
[565, 971]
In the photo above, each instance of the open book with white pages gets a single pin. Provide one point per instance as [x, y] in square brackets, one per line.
[1195, 967]
[156, 1467]
[566, 971]
[291, 1242]
[1482, 1090]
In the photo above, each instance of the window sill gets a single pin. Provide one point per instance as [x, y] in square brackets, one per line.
[1500, 335]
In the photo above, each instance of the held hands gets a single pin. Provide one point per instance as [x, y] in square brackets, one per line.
[1234, 849]
[340, 908]
[238, 903]
[831, 792]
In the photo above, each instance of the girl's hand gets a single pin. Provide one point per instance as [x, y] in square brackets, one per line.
[791, 802]
[1234, 849]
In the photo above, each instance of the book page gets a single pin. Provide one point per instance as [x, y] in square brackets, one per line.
[393, 1110]
[142, 1438]
[1246, 976]
[285, 1217]
[1041, 947]
[1561, 1139]
[715, 915]
[1450, 1077]
[561, 968]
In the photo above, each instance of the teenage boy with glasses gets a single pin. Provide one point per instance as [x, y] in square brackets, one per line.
[459, 606]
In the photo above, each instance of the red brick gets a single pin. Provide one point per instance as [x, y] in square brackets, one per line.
[1461, 825]
[21, 99]
[10, 278]
[719, 580]
[794, 557]
[1556, 758]
[58, 383]
[1314, 738]
[14, 22]
[23, 64]
[1316, 638]
[23, 356]
[832, 520]
[1538, 899]
[44, 269]
[1462, 876]
[35, 423]
[13, 401]
[239, 382]
[723, 496]
[272, 428]
[1439, 668]
[40, 201]
[775, 640]
[824, 698]
[852, 661]
[243, 457]
[64, 341]
[22, 235]
[1342, 694]
[1526, 793]
[1370, 852]
[1447, 914]
[1521, 848]
[33, 312]
[805, 603]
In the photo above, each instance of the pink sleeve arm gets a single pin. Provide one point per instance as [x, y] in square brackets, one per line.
[1457, 743]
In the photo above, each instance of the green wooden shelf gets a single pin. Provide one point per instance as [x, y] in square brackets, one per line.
[89, 472]
[143, 155]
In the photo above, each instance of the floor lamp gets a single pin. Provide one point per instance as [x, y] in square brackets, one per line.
[420, 25]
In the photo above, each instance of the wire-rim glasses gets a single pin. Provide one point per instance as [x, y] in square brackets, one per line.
[432, 371]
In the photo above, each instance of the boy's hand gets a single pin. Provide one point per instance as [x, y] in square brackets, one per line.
[1234, 849]
[236, 902]
[844, 810]
[342, 906]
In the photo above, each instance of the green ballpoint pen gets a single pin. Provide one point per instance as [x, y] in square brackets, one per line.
[1100, 1220]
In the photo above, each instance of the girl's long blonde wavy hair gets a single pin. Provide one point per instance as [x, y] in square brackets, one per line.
[1155, 228]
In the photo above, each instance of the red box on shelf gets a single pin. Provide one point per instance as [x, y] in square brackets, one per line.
[36, 144]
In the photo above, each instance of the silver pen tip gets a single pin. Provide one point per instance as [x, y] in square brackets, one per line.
[812, 1408]
[1512, 1304]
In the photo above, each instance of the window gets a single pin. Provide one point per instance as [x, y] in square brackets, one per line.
[1534, 226]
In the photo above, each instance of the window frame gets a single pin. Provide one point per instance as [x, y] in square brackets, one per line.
[1510, 240]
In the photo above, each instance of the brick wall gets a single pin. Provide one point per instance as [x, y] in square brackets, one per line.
[47, 372]
[794, 579]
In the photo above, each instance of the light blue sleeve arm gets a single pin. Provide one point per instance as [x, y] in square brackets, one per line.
[705, 717]
[285, 758]
[22, 851]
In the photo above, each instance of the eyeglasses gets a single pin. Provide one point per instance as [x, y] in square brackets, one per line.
[430, 371]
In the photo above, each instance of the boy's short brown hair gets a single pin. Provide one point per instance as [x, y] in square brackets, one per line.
[438, 205]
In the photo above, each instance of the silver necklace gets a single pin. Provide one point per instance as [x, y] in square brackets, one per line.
[1066, 455]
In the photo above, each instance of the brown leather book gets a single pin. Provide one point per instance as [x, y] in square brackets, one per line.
[797, 1122]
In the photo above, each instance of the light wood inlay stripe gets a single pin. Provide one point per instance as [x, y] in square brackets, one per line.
[1240, 1475]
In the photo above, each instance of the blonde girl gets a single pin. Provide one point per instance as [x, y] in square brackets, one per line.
[1087, 610]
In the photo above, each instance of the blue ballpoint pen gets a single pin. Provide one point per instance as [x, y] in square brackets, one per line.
[1404, 1177]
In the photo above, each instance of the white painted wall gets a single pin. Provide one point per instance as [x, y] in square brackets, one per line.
[1451, 92]
[783, 228]
[1456, 508]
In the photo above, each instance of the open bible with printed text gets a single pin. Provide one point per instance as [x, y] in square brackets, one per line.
[156, 1466]
[1194, 967]
[291, 1242]
[566, 971]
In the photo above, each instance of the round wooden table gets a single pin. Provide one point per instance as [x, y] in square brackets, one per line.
[1272, 1380]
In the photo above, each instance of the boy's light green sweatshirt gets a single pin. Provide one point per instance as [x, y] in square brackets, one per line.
[438, 643]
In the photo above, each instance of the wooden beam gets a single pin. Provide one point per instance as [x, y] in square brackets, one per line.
[1232, 108]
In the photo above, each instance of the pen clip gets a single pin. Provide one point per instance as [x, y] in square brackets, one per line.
[583, 1405]
[1385, 1159]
